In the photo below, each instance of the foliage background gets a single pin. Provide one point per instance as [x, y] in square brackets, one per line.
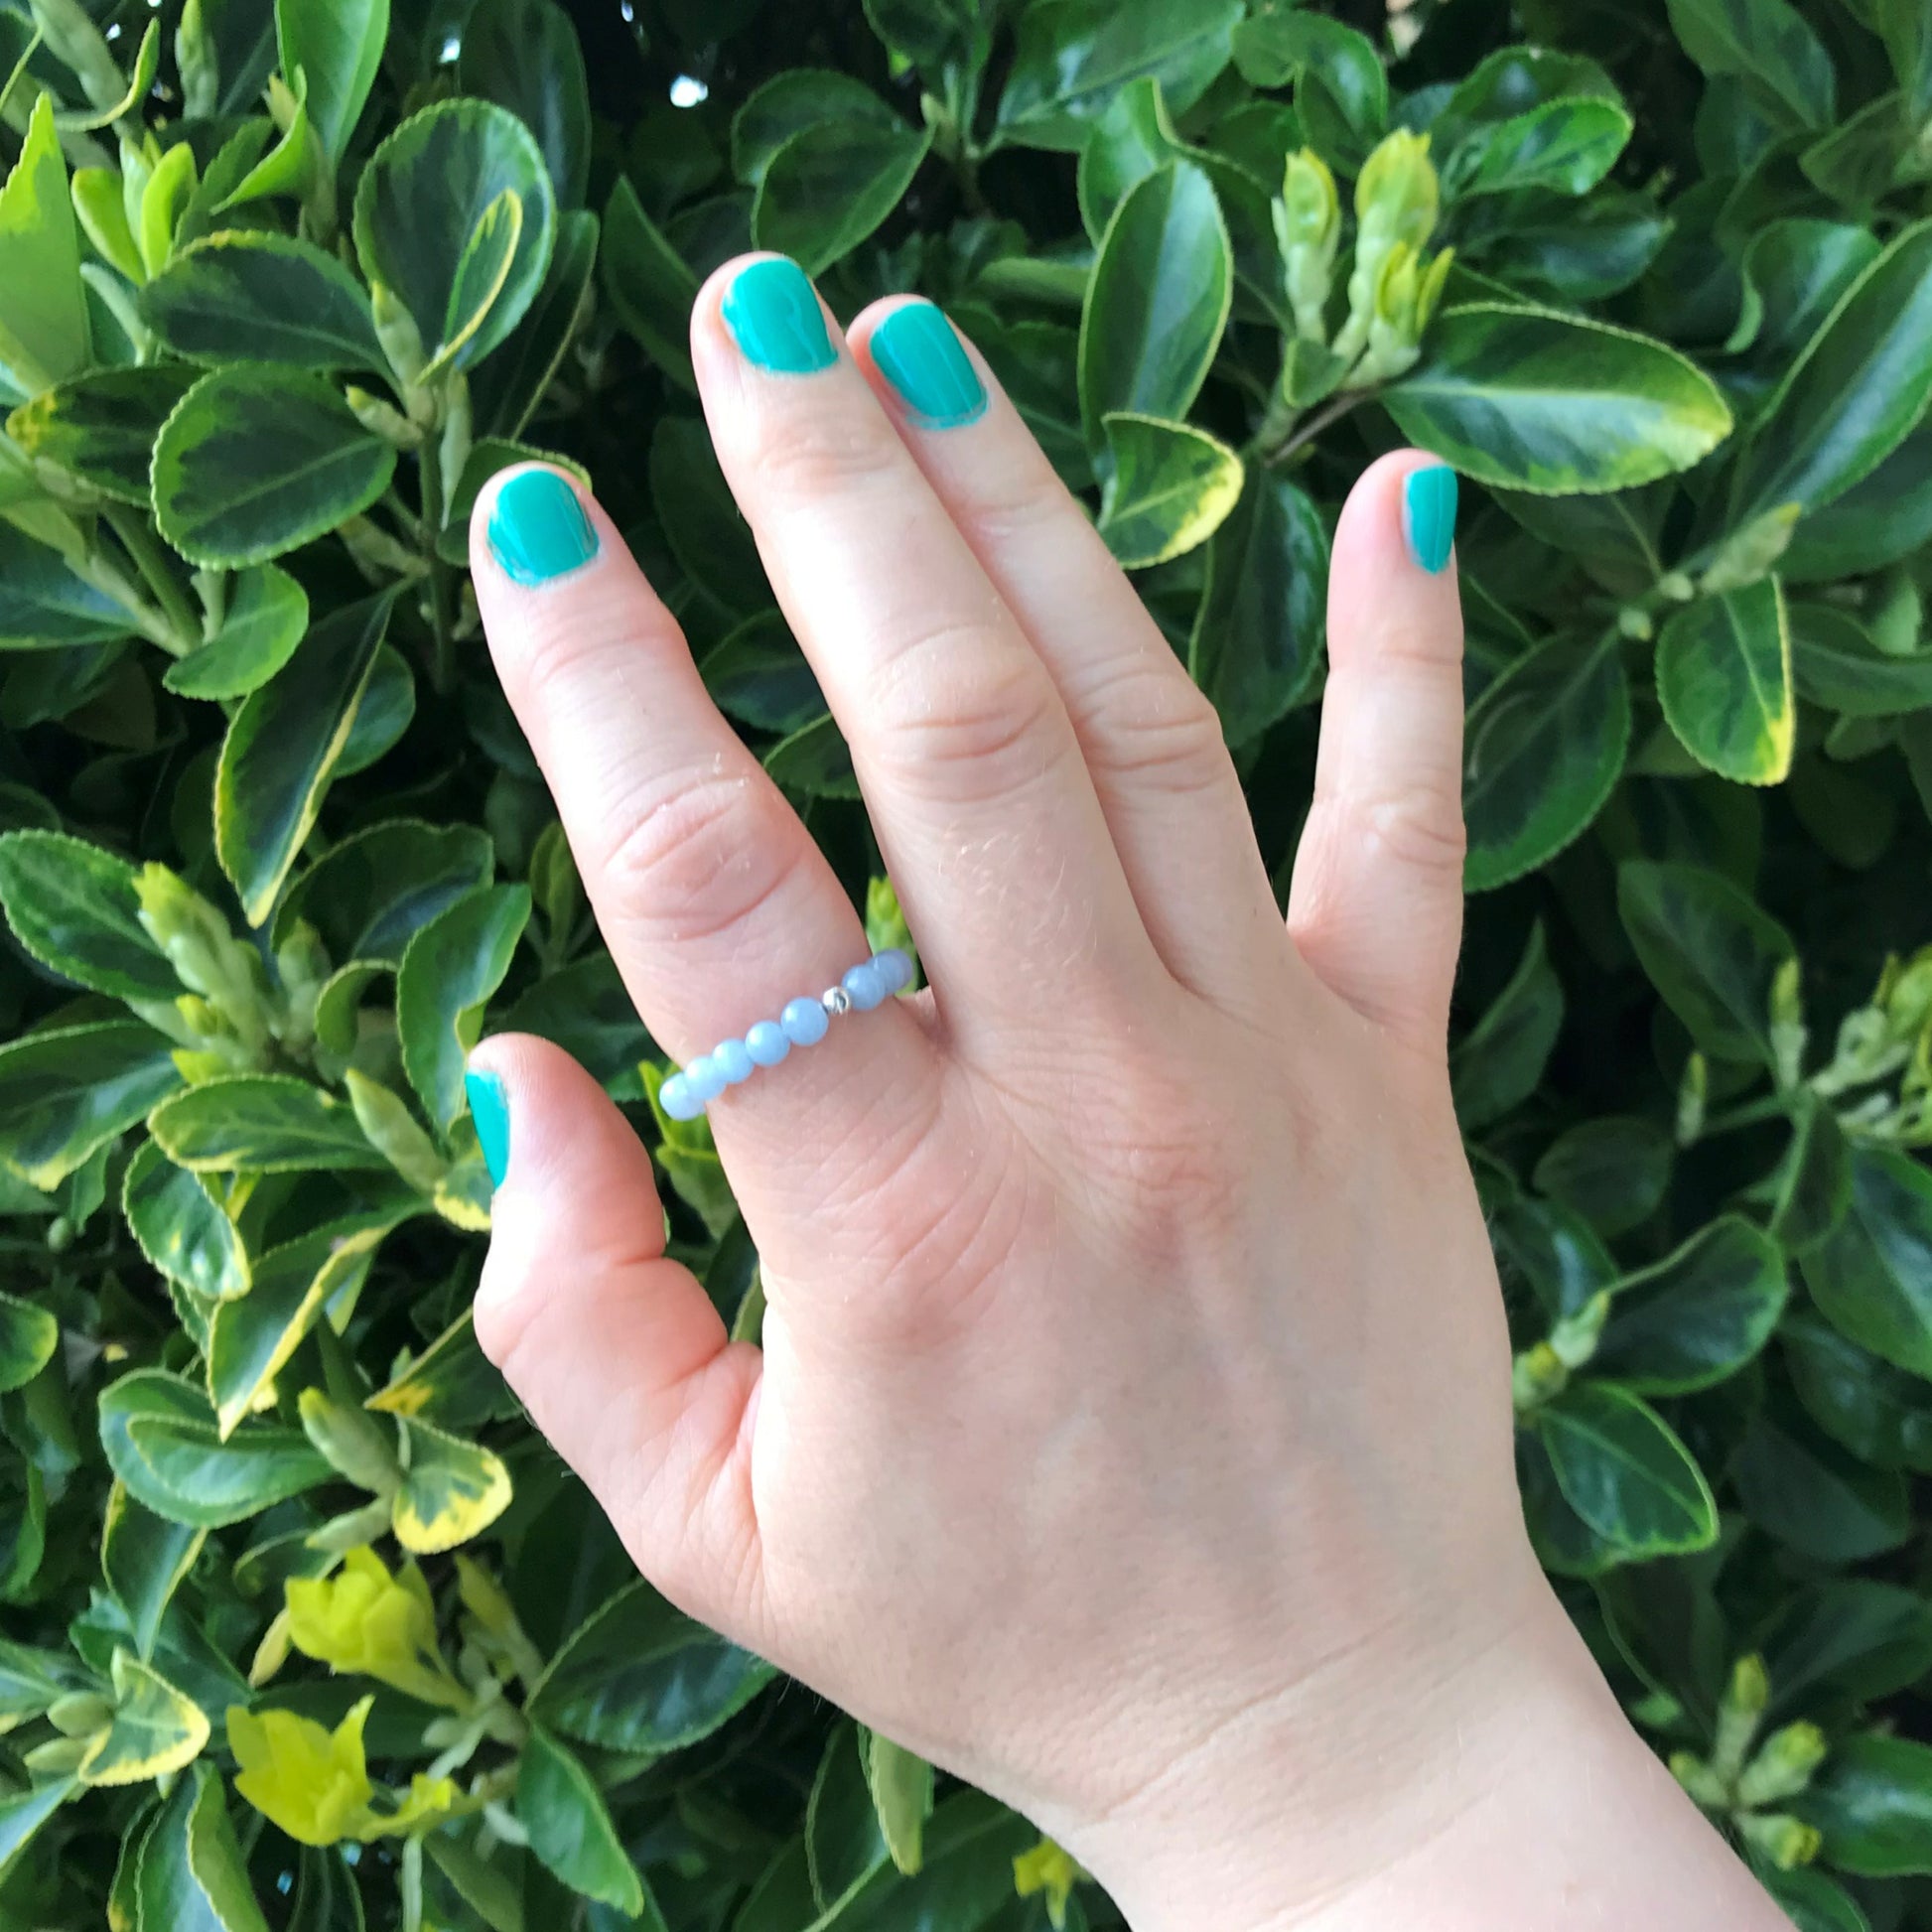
[303, 1627]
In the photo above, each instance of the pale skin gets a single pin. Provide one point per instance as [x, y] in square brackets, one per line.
[1131, 1430]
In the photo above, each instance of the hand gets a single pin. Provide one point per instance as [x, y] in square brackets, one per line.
[1131, 1433]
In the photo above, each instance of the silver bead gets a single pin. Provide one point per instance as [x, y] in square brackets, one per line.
[836, 1000]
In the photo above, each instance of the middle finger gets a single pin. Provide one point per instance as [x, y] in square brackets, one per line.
[983, 805]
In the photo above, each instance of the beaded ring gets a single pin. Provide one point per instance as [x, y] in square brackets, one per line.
[803, 1023]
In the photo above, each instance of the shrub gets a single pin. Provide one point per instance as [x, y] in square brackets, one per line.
[304, 1626]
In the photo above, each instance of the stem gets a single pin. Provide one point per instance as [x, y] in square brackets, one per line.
[1310, 429]
[429, 465]
[1772, 1106]
[139, 543]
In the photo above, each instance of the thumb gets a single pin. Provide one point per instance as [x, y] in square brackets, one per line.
[617, 1352]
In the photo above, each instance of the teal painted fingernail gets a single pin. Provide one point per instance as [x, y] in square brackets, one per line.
[774, 313]
[1429, 515]
[538, 529]
[918, 353]
[489, 1109]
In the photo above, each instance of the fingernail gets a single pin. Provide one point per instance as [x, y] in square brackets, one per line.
[1429, 515]
[918, 353]
[538, 529]
[489, 1109]
[773, 315]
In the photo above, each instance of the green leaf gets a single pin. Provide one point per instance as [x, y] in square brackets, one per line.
[1723, 678]
[1157, 301]
[1907, 33]
[449, 972]
[258, 461]
[900, 1783]
[1795, 272]
[758, 674]
[282, 748]
[640, 1676]
[45, 605]
[144, 1559]
[1709, 950]
[181, 1228]
[74, 907]
[329, 52]
[155, 1729]
[1875, 523]
[257, 296]
[370, 895]
[66, 1092]
[1169, 488]
[1801, 1488]
[252, 1337]
[814, 762]
[1499, 1063]
[830, 186]
[524, 56]
[650, 285]
[1852, 397]
[1565, 145]
[420, 201]
[44, 329]
[1544, 746]
[192, 1876]
[23, 1813]
[1527, 399]
[785, 107]
[844, 1843]
[559, 1805]
[1835, 663]
[451, 1383]
[29, 1336]
[1697, 1317]
[1849, 1638]
[505, 390]
[262, 1123]
[101, 427]
[1813, 1903]
[161, 1439]
[1873, 1279]
[1622, 1469]
[1074, 55]
[1613, 1171]
[933, 34]
[1261, 622]
[700, 519]
[1341, 88]
[266, 617]
[1873, 1800]
[452, 1490]
[1768, 45]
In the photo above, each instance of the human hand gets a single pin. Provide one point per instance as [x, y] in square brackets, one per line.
[1131, 1433]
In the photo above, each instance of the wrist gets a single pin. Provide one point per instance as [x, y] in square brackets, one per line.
[1505, 1793]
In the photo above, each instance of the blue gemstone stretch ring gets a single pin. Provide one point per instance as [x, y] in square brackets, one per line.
[686, 1094]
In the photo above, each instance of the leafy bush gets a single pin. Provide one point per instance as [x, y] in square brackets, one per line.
[304, 1626]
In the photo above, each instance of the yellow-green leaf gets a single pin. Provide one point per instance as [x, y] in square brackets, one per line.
[453, 1490]
[1723, 678]
[155, 1729]
[44, 329]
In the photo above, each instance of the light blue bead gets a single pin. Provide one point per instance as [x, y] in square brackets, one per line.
[705, 1077]
[767, 1042]
[732, 1058]
[864, 986]
[894, 970]
[804, 1022]
[678, 1099]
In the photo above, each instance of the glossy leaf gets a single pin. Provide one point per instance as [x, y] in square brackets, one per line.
[1852, 397]
[144, 1559]
[1527, 399]
[282, 747]
[74, 907]
[418, 207]
[1074, 55]
[101, 427]
[46, 605]
[266, 617]
[524, 56]
[639, 1675]
[830, 186]
[1802, 1489]
[29, 1336]
[370, 895]
[452, 1490]
[252, 296]
[333, 50]
[789, 104]
[1768, 45]
[1626, 1474]
[1169, 488]
[1158, 302]
[1697, 1317]
[155, 1729]
[1499, 1061]
[1873, 1279]
[1709, 950]
[262, 1123]
[1568, 145]
[1542, 749]
[559, 1805]
[255, 462]
[45, 335]
[67, 1091]
[1613, 1171]
[450, 970]
[184, 1232]
[650, 286]
[1723, 678]
[1873, 1800]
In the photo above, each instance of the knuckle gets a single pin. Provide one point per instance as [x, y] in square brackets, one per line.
[1417, 827]
[814, 455]
[700, 858]
[959, 702]
[1158, 728]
